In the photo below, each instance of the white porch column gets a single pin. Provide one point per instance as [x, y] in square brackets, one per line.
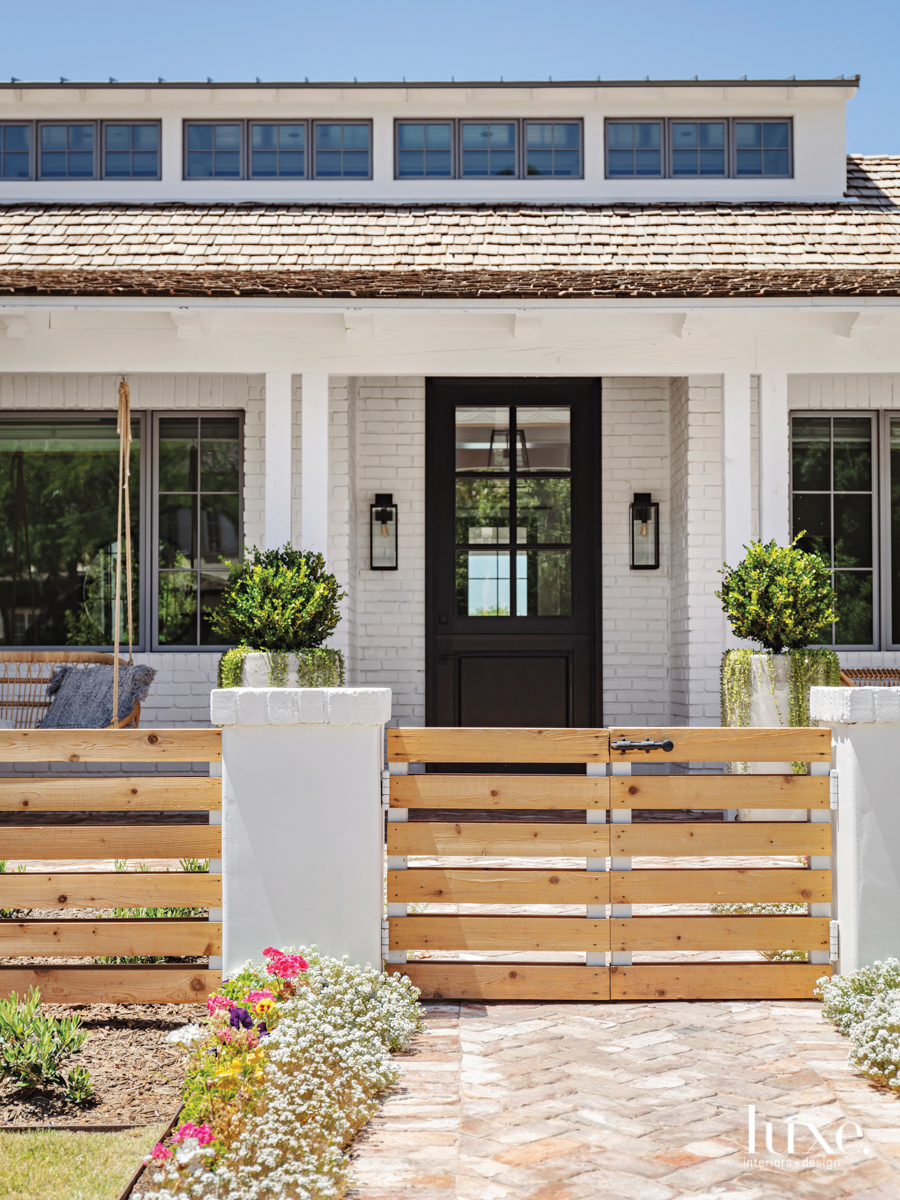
[736, 466]
[314, 459]
[278, 459]
[774, 458]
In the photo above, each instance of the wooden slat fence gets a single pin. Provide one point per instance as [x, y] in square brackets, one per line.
[601, 879]
[95, 935]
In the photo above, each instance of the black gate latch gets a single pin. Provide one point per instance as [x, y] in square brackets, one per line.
[646, 745]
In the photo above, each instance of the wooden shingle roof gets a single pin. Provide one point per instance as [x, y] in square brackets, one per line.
[463, 250]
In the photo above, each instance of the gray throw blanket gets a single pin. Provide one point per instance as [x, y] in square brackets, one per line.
[82, 696]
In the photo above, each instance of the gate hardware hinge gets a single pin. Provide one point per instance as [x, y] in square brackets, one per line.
[646, 745]
[834, 940]
[833, 789]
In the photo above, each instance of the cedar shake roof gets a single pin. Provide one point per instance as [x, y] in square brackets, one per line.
[463, 250]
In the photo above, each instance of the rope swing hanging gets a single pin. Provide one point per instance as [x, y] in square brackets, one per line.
[123, 428]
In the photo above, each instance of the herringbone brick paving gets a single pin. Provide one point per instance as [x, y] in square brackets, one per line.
[627, 1102]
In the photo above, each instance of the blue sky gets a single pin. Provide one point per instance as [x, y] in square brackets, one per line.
[474, 39]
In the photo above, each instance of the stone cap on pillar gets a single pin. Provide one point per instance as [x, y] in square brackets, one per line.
[855, 705]
[300, 706]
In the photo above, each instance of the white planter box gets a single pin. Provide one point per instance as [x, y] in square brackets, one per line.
[257, 671]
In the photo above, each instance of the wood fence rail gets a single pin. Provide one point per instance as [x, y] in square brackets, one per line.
[597, 877]
[99, 936]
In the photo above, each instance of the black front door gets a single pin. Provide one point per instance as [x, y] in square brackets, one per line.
[513, 552]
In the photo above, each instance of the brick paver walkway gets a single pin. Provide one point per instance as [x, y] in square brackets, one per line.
[627, 1102]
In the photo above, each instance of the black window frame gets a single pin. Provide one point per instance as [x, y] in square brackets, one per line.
[156, 416]
[521, 149]
[666, 124]
[104, 126]
[880, 570]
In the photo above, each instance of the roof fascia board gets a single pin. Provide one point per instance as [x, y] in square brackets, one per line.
[302, 85]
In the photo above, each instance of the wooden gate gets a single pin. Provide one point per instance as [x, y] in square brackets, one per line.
[96, 935]
[487, 816]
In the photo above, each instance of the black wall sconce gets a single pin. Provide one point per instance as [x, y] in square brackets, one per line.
[644, 521]
[383, 533]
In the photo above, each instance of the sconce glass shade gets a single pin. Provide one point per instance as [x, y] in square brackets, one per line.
[644, 523]
[383, 533]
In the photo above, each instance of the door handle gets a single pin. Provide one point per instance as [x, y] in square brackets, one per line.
[646, 745]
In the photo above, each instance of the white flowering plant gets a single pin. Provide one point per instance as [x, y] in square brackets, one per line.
[280, 1091]
[846, 998]
[876, 1041]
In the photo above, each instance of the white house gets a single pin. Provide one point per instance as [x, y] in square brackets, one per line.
[512, 307]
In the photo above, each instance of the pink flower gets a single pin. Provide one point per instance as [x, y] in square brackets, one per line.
[215, 1004]
[286, 966]
[202, 1133]
[255, 997]
[159, 1152]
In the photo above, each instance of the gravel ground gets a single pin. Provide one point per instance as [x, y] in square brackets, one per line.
[137, 1075]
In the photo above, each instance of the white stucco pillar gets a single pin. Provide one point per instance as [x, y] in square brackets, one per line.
[736, 465]
[314, 459]
[774, 458]
[279, 434]
[865, 725]
[302, 839]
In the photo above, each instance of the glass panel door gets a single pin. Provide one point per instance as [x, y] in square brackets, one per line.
[513, 511]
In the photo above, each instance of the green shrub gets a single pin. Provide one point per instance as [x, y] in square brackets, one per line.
[278, 600]
[33, 1047]
[779, 596]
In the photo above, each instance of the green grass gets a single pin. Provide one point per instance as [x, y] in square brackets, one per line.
[55, 1165]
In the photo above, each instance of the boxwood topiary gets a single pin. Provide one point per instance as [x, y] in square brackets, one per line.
[779, 596]
[280, 599]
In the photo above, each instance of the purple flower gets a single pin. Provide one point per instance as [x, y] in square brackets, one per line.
[262, 1030]
[240, 1019]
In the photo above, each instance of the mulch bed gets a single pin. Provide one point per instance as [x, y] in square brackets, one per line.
[137, 1075]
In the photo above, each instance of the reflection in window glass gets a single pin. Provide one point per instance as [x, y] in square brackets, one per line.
[482, 583]
[544, 439]
[553, 148]
[482, 512]
[634, 148]
[198, 522]
[482, 439]
[277, 151]
[833, 507]
[213, 151]
[544, 510]
[543, 583]
[488, 149]
[67, 151]
[58, 507]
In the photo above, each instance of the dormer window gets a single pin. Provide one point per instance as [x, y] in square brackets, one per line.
[685, 149]
[461, 149]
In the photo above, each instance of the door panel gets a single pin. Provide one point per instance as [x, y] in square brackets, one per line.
[512, 552]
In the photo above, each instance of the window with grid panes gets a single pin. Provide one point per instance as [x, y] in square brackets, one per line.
[424, 149]
[698, 148]
[342, 150]
[198, 522]
[15, 151]
[130, 151]
[553, 148]
[762, 148]
[488, 149]
[213, 150]
[634, 148]
[67, 151]
[277, 150]
[833, 468]
[513, 512]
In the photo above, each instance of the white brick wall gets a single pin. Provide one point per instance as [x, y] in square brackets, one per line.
[696, 619]
[635, 458]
